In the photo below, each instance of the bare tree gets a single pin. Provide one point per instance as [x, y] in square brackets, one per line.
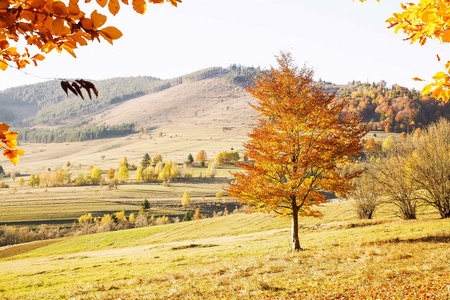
[393, 175]
[366, 195]
[430, 166]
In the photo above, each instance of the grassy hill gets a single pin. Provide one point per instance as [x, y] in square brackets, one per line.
[240, 257]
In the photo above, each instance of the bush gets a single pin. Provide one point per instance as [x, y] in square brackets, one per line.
[188, 216]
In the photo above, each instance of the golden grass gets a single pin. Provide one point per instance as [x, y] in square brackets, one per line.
[241, 257]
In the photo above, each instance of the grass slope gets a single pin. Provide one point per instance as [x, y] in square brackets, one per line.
[242, 257]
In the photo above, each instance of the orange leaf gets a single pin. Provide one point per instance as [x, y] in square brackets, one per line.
[102, 3]
[98, 19]
[74, 9]
[114, 7]
[48, 23]
[87, 23]
[59, 8]
[58, 26]
[446, 36]
[110, 33]
[417, 79]
[39, 57]
[125, 2]
[4, 127]
[438, 58]
[37, 3]
[4, 4]
[69, 49]
[139, 6]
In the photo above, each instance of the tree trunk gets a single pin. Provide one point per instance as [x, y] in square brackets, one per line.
[295, 240]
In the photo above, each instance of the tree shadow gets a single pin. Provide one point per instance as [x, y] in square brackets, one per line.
[433, 239]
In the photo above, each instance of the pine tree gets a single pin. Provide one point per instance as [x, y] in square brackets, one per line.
[190, 158]
[145, 161]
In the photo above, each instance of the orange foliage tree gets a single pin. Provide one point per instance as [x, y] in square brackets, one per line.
[421, 21]
[299, 146]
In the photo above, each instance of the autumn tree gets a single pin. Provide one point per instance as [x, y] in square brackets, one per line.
[96, 175]
[393, 175]
[185, 200]
[157, 158]
[366, 196]
[34, 180]
[124, 163]
[430, 166]
[111, 174]
[201, 156]
[298, 147]
[123, 174]
[138, 175]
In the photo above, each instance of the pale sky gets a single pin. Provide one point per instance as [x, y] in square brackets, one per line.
[343, 40]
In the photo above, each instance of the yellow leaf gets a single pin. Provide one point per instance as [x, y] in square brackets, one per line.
[139, 6]
[58, 26]
[13, 155]
[3, 65]
[98, 19]
[114, 7]
[439, 76]
[102, 3]
[59, 8]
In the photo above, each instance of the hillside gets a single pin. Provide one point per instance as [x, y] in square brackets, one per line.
[210, 97]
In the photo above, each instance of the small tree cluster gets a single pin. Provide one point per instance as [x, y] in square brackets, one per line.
[227, 157]
[415, 171]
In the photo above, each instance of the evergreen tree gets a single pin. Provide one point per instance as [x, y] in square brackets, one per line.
[145, 161]
[190, 158]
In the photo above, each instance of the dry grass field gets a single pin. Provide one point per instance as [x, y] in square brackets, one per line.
[242, 257]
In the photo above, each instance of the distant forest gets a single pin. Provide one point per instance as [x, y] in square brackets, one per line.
[395, 109]
[73, 133]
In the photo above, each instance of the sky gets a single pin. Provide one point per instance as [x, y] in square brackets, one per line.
[342, 40]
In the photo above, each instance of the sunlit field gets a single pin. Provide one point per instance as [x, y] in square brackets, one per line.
[242, 256]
